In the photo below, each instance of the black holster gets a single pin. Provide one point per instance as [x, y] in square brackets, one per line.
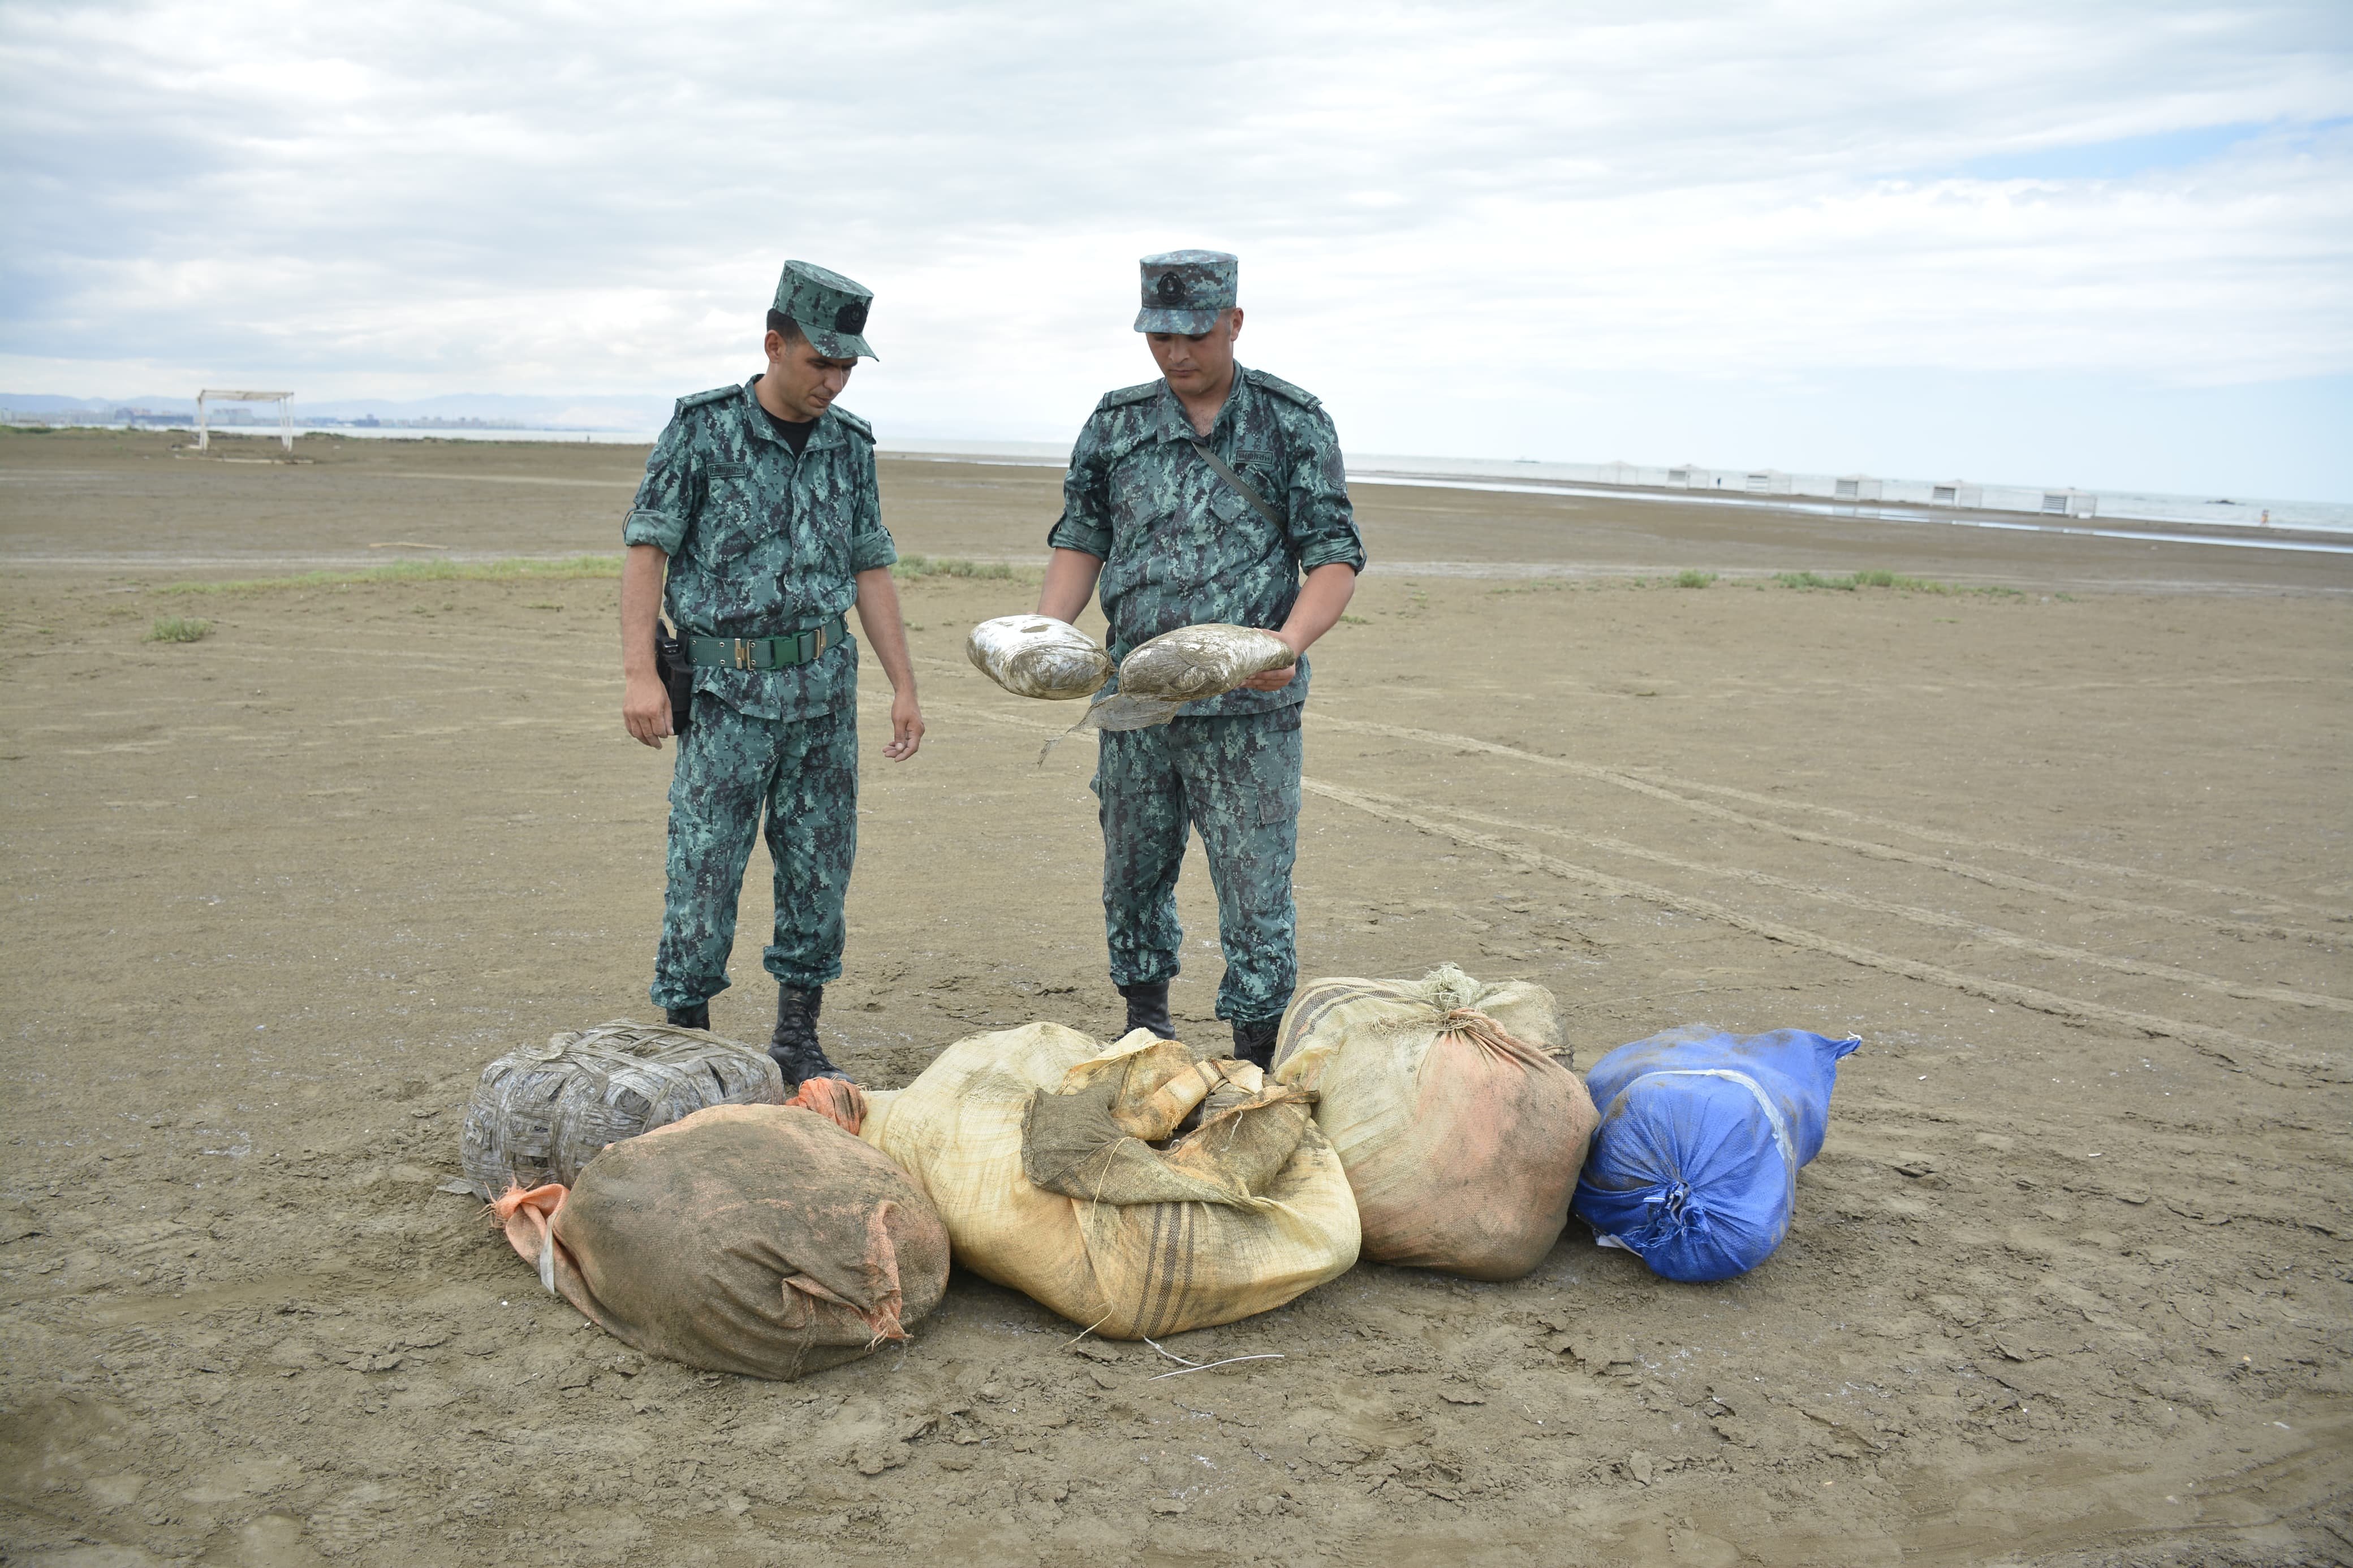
[676, 677]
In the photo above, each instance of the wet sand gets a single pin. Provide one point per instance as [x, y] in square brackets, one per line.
[2069, 1283]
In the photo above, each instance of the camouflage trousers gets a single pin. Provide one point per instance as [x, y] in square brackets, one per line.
[732, 770]
[1236, 779]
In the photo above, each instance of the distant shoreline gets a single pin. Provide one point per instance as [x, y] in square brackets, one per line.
[2311, 526]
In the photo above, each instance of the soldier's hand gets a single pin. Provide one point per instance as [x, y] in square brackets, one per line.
[1276, 679]
[645, 709]
[906, 727]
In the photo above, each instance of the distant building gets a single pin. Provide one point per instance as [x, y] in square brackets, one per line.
[1955, 493]
[1856, 487]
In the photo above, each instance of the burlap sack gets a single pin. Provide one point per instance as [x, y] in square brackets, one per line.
[541, 1113]
[1460, 1135]
[1050, 1158]
[760, 1240]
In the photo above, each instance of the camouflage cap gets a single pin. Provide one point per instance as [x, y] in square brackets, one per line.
[827, 307]
[1185, 289]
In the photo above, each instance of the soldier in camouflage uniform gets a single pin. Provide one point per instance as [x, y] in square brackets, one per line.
[759, 507]
[1172, 541]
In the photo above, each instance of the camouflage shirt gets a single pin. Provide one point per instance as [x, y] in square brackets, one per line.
[1179, 546]
[761, 542]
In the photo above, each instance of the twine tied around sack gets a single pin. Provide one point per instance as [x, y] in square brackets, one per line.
[1470, 1024]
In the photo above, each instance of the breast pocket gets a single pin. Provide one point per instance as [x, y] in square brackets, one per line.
[822, 542]
[734, 518]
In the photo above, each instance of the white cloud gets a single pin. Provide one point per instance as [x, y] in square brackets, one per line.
[1500, 208]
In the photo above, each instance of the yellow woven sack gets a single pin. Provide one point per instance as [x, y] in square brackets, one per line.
[1051, 1158]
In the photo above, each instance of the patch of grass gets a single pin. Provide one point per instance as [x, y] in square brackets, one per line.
[914, 568]
[1885, 579]
[574, 567]
[1346, 620]
[1692, 577]
[179, 628]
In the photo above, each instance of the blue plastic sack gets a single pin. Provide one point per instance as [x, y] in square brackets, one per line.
[1694, 1165]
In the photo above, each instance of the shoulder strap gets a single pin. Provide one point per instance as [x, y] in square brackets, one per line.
[1241, 485]
[1126, 394]
[1282, 388]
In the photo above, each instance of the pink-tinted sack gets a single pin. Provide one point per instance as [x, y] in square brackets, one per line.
[760, 1240]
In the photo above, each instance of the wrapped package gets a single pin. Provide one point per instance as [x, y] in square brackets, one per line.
[1190, 664]
[1063, 1170]
[765, 1240]
[1460, 1134]
[540, 1114]
[1038, 656]
[1694, 1165]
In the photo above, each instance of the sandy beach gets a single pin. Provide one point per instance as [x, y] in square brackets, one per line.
[2056, 824]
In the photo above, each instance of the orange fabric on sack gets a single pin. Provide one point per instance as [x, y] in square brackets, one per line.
[832, 1097]
[527, 1213]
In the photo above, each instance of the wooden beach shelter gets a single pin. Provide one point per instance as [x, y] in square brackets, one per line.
[285, 401]
[2070, 502]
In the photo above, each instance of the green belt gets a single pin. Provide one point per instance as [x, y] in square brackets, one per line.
[766, 652]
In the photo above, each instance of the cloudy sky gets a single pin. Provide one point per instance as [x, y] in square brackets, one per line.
[2102, 244]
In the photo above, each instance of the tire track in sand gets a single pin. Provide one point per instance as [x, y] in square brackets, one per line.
[1939, 835]
[1864, 847]
[2240, 1053]
[2212, 983]
[2233, 1050]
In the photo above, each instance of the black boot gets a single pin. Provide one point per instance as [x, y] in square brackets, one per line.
[1148, 1008]
[1255, 1042]
[793, 1048]
[697, 1017]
